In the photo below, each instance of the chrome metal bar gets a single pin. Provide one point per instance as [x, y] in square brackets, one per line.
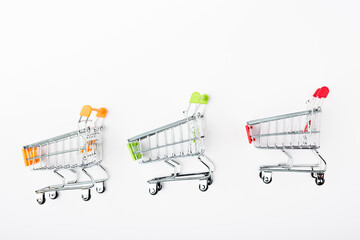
[61, 137]
[284, 133]
[210, 164]
[160, 129]
[57, 153]
[173, 166]
[91, 177]
[321, 158]
[51, 140]
[293, 169]
[305, 147]
[165, 145]
[166, 158]
[290, 159]
[284, 166]
[77, 185]
[290, 115]
[62, 178]
[182, 177]
[106, 174]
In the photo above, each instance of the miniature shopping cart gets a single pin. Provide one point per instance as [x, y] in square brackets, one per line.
[184, 138]
[80, 149]
[294, 131]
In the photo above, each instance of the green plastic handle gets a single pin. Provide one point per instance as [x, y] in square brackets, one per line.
[133, 155]
[195, 97]
[204, 99]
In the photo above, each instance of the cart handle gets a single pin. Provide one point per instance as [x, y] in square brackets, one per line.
[86, 111]
[316, 93]
[204, 99]
[195, 97]
[321, 92]
[28, 153]
[198, 98]
[248, 133]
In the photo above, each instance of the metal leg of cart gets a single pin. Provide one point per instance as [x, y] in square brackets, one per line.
[85, 186]
[319, 175]
[317, 171]
[205, 178]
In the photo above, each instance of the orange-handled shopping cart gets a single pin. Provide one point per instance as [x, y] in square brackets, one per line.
[80, 149]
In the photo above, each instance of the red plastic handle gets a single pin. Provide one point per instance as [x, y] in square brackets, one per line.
[248, 133]
[316, 92]
[323, 93]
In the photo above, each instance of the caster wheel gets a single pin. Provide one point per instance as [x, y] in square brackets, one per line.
[203, 187]
[319, 181]
[159, 186]
[86, 195]
[267, 180]
[41, 199]
[209, 181]
[53, 195]
[100, 188]
[153, 190]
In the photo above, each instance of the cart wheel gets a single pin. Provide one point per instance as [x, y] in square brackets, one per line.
[41, 199]
[100, 188]
[320, 179]
[53, 195]
[203, 187]
[314, 175]
[267, 180]
[209, 181]
[159, 186]
[153, 190]
[86, 195]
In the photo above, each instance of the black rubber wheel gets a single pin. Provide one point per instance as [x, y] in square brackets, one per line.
[209, 181]
[56, 194]
[88, 198]
[153, 192]
[159, 186]
[42, 200]
[267, 181]
[102, 190]
[203, 187]
[319, 181]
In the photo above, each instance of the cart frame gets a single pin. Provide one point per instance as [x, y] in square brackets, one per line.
[195, 141]
[88, 138]
[312, 116]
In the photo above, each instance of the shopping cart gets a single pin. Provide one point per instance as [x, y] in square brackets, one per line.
[184, 138]
[80, 149]
[294, 131]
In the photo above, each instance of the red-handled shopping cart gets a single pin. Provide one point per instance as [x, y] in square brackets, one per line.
[294, 131]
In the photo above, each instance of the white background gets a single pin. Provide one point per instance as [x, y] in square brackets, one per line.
[142, 60]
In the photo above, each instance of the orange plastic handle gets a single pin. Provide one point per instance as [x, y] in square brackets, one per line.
[30, 153]
[86, 111]
[25, 158]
